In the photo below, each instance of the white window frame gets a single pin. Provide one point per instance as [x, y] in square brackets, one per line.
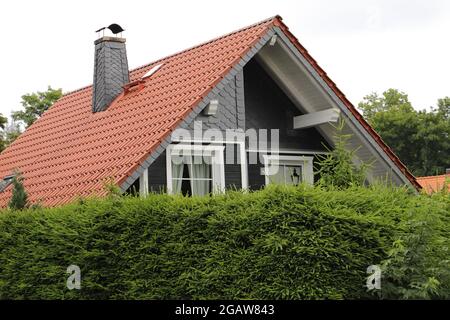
[217, 162]
[306, 162]
[143, 184]
[242, 153]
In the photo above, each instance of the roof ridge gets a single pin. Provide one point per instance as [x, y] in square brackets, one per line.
[209, 41]
[187, 49]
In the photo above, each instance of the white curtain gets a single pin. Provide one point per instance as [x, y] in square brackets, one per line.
[200, 171]
[177, 174]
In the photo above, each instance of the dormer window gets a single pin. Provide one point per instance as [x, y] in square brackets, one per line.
[152, 71]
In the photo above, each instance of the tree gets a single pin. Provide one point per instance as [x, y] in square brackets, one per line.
[35, 104]
[391, 100]
[19, 199]
[3, 124]
[12, 131]
[444, 107]
[9, 132]
[419, 138]
[337, 168]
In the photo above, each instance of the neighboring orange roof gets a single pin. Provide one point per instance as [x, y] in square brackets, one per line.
[434, 183]
[71, 152]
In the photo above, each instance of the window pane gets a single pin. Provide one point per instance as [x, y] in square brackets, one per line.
[293, 175]
[192, 177]
[192, 170]
[201, 170]
[286, 174]
[279, 176]
[178, 170]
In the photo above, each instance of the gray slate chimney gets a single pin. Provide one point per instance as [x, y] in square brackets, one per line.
[110, 71]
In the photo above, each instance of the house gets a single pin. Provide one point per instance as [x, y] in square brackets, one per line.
[431, 184]
[171, 125]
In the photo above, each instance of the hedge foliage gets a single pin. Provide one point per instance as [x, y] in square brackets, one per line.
[278, 243]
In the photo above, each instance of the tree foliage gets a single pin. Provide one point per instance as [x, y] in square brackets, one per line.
[35, 104]
[19, 199]
[282, 242]
[12, 132]
[3, 125]
[338, 168]
[421, 139]
[444, 107]
[418, 264]
[9, 132]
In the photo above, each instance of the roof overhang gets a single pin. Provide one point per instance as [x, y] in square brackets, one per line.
[299, 76]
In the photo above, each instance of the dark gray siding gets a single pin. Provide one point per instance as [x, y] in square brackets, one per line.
[157, 177]
[230, 113]
[268, 107]
[233, 177]
[133, 189]
[255, 179]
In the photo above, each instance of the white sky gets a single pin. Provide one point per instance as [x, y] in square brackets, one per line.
[364, 45]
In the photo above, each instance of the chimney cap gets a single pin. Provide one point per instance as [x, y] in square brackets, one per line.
[114, 27]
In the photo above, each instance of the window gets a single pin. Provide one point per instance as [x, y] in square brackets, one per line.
[195, 169]
[288, 170]
[152, 71]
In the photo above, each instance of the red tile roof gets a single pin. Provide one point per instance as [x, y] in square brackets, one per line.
[434, 183]
[71, 152]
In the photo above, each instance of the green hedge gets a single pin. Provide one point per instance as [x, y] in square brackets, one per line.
[278, 243]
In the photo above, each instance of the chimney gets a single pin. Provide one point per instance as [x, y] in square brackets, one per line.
[447, 171]
[110, 68]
